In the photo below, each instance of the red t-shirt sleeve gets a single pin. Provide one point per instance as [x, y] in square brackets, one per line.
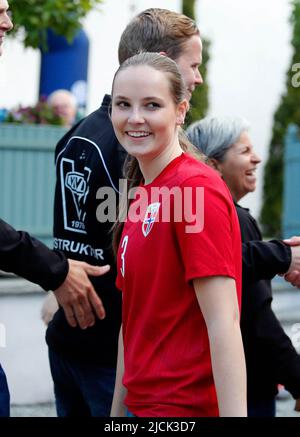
[205, 236]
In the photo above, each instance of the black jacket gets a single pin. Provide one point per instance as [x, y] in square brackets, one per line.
[27, 257]
[270, 356]
[264, 259]
[88, 158]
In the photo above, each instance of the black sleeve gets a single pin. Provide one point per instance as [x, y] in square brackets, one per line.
[283, 359]
[27, 257]
[265, 259]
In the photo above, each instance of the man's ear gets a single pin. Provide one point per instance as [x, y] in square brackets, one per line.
[162, 53]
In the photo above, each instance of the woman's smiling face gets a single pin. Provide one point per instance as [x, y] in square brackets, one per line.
[144, 114]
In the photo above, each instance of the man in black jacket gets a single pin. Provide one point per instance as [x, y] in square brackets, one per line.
[27, 257]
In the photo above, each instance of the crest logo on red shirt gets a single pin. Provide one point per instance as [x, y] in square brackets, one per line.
[150, 218]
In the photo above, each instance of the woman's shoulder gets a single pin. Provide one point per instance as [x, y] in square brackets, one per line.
[197, 174]
[195, 170]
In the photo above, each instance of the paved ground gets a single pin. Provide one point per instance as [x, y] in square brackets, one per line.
[37, 410]
[284, 408]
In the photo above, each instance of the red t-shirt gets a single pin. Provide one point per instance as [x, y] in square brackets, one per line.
[168, 368]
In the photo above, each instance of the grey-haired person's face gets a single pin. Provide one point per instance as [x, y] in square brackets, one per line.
[238, 167]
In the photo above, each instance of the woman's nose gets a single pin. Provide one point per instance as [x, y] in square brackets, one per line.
[135, 116]
[256, 158]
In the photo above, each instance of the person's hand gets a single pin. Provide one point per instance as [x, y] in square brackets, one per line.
[77, 296]
[293, 273]
[297, 405]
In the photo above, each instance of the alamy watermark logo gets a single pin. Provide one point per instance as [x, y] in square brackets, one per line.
[296, 76]
[176, 204]
[2, 335]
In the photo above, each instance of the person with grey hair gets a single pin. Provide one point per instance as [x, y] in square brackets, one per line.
[214, 136]
[270, 356]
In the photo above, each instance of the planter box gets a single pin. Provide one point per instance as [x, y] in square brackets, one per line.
[27, 176]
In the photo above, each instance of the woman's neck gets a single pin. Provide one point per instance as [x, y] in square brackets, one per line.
[153, 166]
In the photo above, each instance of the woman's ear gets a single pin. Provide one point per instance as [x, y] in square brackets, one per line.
[181, 112]
[214, 163]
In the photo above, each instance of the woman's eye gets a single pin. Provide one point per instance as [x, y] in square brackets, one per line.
[122, 104]
[153, 105]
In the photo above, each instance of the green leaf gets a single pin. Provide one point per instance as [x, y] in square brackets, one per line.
[35, 17]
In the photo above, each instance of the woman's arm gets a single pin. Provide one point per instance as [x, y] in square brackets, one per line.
[118, 408]
[218, 302]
